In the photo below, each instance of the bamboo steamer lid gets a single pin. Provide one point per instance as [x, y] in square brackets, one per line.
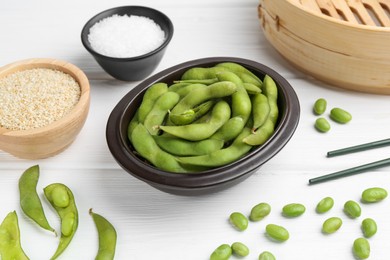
[344, 43]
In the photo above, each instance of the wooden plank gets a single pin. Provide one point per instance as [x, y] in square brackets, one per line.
[360, 10]
[344, 11]
[378, 11]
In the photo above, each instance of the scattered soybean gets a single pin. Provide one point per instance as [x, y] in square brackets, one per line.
[352, 209]
[331, 225]
[239, 221]
[266, 255]
[293, 210]
[223, 252]
[369, 227]
[361, 248]
[375, 194]
[260, 211]
[320, 106]
[277, 232]
[239, 249]
[340, 115]
[325, 205]
[322, 125]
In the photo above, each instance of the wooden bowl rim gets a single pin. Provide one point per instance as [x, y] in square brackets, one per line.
[60, 65]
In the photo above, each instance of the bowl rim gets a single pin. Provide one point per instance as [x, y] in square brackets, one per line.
[63, 66]
[217, 176]
[102, 15]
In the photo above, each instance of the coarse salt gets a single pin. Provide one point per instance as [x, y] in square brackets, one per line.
[125, 36]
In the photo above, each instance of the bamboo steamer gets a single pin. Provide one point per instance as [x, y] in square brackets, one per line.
[345, 43]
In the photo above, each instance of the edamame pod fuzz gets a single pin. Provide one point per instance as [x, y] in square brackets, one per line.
[62, 200]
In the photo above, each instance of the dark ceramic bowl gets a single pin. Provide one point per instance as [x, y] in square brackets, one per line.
[211, 180]
[132, 68]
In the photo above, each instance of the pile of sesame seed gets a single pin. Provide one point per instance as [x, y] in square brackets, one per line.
[35, 98]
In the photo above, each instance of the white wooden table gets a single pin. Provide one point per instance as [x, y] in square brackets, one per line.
[154, 225]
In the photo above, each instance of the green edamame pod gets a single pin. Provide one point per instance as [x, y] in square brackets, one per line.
[181, 147]
[10, 245]
[271, 91]
[200, 95]
[159, 111]
[62, 200]
[252, 89]
[221, 157]
[150, 96]
[29, 200]
[183, 91]
[200, 73]
[261, 135]
[177, 86]
[107, 237]
[191, 115]
[146, 146]
[245, 74]
[230, 130]
[196, 132]
[207, 81]
[260, 110]
[132, 124]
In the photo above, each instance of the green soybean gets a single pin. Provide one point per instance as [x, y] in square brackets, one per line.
[10, 244]
[325, 205]
[277, 232]
[331, 225]
[240, 249]
[107, 237]
[369, 227]
[60, 196]
[68, 214]
[182, 147]
[149, 98]
[320, 106]
[29, 200]
[293, 210]
[260, 211]
[200, 73]
[322, 125]
[266, 255]
[361, 248]
[340, 115]
[160, 108]
[222, 252]
[223, 156]
[352, 209]
[147, 147]
[239, 221]
[374, 194]
[206, 81]
[195, 132]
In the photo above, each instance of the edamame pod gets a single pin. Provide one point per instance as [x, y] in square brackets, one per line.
[146, 146]
[10, 245]
[65, 206]
[200, 95]
[191, 115]
[196, 132]
[159, 111]
[207, 81]
[181, 147]
[261, 135]
[149, 98]
[107, 237]
[200, 73]
[29, 200]
[252, 89]
[271, 91]
[260, 110]
[245, 74]
[183, 91]
[221, 157]
[230, 130]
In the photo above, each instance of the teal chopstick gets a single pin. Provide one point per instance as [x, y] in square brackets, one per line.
[351, 171]
[360, 147]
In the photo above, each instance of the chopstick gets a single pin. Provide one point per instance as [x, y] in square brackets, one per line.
[358, 148]
[351, 171]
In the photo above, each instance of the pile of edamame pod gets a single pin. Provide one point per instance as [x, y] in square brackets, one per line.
[210, 117]
[62, 200]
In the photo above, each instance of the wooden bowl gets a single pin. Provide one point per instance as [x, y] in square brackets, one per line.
[344, 43]
[49, 140]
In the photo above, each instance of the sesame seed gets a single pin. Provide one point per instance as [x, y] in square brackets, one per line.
[35, 98]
